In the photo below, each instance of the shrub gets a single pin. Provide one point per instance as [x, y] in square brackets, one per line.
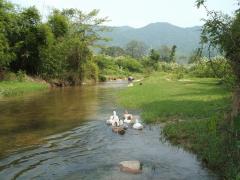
[102, 78]
[105, 62]
[218, 67]
[129, 64]
[73, 78]
[21, 76]
[10, 76]
[91, 71]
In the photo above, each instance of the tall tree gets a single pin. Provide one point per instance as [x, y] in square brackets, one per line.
[136, 49]
[165, 53]
[113, 51]
[7, 15]
[27, 42]
[195, 56]
[58, 24]
[222, 31]
[154, 56]
[172, 57]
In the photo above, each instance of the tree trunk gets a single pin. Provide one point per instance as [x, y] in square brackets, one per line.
[236, 104]
[1, 74]
[235, 63]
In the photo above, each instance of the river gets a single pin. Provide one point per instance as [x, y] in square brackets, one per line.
[61, 134]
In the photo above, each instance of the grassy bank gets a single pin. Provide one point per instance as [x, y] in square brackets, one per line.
[13, 88]
[192, 109]
[161, 98]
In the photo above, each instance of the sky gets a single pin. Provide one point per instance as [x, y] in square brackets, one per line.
[137, 13]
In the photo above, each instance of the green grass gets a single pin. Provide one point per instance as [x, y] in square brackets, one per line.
[193, 113]
[161, 98]
[13, 88]
[212, 140]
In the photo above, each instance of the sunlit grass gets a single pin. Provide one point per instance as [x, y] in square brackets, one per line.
[161, 98]
[193, 112]
[13, 88]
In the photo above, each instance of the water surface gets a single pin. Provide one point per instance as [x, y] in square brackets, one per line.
[61, 134]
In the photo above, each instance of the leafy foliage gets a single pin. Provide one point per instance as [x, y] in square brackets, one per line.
[222, 31]
[60, 48]
[113, 51]
[136, 49]
[129, 64]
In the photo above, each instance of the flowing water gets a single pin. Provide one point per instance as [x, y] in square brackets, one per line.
[61, 134]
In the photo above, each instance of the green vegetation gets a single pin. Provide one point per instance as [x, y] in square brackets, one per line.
[19, 83]
[62, 49]
[156, 34]
[163, 97]
[193, 100]
[59, 48]
[221, 32]
[13, 88]
[193, 110]
[213, 140]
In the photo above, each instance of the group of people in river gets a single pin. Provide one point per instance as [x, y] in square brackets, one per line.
[119, 124]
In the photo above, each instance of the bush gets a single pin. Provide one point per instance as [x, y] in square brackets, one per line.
[219, 67]
[215, 68]
[102, 78]
[10, 76]
[21, 76]
[73, 78]
[108, 67]
[129, 64]
[105, 62]
[91, 71]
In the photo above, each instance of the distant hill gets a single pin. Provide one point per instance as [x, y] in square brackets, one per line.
[157, 34]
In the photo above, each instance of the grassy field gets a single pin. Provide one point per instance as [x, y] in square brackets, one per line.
[13, 88]
[192, 110]
[162, 98]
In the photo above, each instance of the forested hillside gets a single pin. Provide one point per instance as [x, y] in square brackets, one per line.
[156, 34]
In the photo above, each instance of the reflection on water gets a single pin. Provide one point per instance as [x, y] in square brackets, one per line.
[25, 120]
[81, 146]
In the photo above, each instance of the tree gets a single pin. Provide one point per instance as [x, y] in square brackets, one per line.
[86, 26]
[195, 56]
[222, 31]
[84, 33]
[172, 57]
[136, 49]
[58, 24]
[113, 51]
[165, 53]
[59, 48]
[5, 54]
[27, 42]
[154, 56]
[70, 57]
[7, 15]
[153, 59]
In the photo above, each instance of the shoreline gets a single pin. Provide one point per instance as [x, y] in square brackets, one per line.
[190, 113]
[16, 88]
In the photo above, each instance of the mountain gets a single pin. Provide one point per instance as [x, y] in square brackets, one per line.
[157, 34]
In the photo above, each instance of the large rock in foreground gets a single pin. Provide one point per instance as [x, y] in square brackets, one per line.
[133, 167]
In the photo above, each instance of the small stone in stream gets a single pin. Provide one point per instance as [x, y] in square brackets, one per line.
[133, 167]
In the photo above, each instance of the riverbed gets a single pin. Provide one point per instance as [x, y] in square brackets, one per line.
[61, 134]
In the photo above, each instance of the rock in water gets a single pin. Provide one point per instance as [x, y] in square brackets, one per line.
[133, 167]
